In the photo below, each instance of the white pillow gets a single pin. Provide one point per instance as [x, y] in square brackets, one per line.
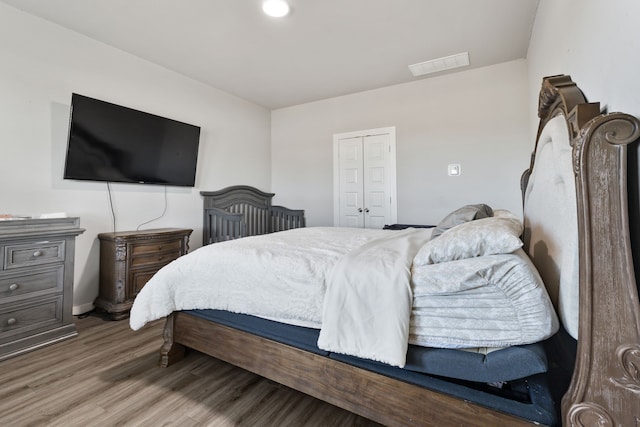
[499, 234]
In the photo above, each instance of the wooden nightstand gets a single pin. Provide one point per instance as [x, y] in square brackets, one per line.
[128, 259]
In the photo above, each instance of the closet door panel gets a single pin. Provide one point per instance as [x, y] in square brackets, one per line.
[376, 150]
[351, 183]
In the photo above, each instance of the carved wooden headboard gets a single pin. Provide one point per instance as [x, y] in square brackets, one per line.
[605, 387]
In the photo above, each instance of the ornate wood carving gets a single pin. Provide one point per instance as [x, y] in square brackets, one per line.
[560, 95]
[185, 244]
[556, 90]
[587, 415]
[171, 351]
[121, 251]
[605, 388]
[629, 361]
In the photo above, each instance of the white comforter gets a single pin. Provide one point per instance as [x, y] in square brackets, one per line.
[284, 276]
[367, 306]
[280, 276]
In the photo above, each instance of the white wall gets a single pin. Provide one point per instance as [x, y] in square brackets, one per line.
[597, 42]
[41, 65]
[478, 118]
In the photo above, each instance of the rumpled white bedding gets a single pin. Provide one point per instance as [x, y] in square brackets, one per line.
[284, 276]
[367, 306]
[280, 276]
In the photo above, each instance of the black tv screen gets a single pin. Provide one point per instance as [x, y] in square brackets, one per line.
[108, 142]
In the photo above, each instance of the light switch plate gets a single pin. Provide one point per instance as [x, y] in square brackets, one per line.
[454, 170]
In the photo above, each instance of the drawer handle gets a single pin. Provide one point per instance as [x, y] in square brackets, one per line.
[11, 321]
[13, 287]
[37, 254]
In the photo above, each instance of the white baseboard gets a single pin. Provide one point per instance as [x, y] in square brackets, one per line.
[81, 309]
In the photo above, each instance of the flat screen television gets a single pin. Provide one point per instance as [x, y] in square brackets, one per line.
[109, 142]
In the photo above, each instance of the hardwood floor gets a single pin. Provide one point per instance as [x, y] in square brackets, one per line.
[109, 376]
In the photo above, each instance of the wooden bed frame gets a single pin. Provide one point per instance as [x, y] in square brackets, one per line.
[605, 387]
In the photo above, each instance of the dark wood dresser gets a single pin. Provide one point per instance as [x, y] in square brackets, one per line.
[36, 283]
[128, 259]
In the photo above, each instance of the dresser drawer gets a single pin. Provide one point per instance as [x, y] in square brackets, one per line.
[30, 254]
[158, 259]
[29, 317]
[157, 246]
[18, 284]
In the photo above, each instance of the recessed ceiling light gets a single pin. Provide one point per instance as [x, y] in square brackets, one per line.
[440, 64]
[276, 8]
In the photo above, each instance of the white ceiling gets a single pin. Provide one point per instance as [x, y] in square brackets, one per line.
[323, 49]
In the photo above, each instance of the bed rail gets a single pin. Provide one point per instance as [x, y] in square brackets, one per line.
[284, 218]
[222, 225]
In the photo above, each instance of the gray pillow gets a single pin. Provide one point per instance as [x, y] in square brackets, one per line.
[459, 216]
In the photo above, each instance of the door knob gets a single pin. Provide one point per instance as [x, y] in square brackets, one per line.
[359, 209]
[366, 210]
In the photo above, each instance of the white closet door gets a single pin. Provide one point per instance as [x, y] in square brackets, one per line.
[364, 179]
[377, 202]
[351, 183]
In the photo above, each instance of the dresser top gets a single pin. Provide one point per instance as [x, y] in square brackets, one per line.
[45, 226]
[145, 234]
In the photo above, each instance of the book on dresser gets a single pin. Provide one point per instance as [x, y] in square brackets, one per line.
[36, 283]
[128, 259]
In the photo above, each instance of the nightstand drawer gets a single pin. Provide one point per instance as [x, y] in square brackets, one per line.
[154, 259]
[155, 247]
[22, 318]
[139, 278]
[36, 253]
[17, 285]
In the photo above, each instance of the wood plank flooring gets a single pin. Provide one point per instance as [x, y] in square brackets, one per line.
[109, 376]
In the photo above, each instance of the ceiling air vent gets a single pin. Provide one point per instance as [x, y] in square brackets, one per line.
[440, 64]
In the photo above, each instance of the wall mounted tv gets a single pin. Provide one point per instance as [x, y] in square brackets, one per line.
[108, 142]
